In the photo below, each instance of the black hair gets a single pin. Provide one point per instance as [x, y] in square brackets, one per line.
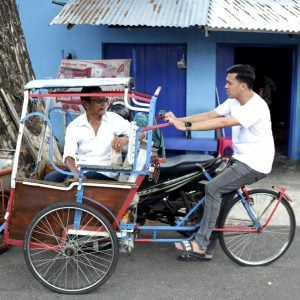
[244, 74]
[88, 90]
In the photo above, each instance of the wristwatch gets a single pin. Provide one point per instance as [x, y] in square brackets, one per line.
[188, 127]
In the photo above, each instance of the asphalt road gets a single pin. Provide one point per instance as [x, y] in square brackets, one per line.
[153, 272]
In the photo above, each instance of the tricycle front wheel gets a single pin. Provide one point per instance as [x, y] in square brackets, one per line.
[71, 248]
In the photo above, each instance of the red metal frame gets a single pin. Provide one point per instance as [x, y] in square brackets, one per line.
[7, 216]
[127, 202]
[136, 95]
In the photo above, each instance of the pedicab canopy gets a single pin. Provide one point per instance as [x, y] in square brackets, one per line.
[115, 87]
[79, 82]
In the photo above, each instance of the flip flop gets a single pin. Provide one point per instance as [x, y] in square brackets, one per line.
[193, 257]
[188, 249]
[187, 253]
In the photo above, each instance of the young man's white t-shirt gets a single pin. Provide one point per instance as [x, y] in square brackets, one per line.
[253, 142]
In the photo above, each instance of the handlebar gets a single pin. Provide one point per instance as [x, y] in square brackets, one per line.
[147, 128]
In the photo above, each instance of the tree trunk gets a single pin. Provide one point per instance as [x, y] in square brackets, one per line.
[15, 72]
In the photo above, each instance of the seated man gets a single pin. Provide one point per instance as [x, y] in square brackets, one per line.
[90, 138]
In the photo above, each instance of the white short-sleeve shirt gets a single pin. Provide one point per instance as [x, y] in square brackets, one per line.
[253, 142]
[85, 147]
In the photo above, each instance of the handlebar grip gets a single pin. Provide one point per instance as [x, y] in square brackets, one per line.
[161, 114]
[157, 91]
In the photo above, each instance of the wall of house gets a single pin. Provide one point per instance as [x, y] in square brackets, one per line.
[47, 45]
[295, 146]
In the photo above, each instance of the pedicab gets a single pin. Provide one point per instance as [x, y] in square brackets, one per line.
[72, 232]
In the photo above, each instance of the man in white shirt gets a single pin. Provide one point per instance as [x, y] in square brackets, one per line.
[90, 138]
[249, 116]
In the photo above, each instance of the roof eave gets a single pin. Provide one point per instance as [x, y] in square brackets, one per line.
[245, 30]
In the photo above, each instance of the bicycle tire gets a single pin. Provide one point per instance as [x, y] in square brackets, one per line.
[68, 258]
[263, 248]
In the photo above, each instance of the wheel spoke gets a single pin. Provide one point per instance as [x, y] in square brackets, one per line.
[70, 259]
[258, 248]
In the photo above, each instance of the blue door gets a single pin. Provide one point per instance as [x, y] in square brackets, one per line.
[155, 65]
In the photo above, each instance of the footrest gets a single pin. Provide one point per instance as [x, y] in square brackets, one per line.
[126, 227]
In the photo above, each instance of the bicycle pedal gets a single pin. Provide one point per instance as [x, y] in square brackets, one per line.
[251, 201]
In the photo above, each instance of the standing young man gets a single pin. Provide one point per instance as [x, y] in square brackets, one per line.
[249, 116]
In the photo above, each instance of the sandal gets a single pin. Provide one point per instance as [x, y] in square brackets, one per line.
[188, 254]
[193, 257]
[188, 248]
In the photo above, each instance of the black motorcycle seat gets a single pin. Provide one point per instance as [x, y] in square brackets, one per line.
[183, 164]
[177, 160]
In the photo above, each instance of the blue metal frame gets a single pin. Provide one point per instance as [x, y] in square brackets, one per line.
[69, 118]
[46, 119]
[179, 224]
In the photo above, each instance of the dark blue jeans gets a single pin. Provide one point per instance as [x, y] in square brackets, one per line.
[56, 176]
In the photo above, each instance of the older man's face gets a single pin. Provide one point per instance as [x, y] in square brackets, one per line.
[96, 105]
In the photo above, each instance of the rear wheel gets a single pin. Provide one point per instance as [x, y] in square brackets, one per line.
[71, 248]
[262, 248]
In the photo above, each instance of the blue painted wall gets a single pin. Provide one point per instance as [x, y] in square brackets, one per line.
[46, 45]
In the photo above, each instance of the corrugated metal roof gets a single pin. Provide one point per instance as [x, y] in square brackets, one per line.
[154, 13]
[255, 15]
[227, 15]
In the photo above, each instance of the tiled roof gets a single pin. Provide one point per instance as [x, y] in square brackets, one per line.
[228, 15]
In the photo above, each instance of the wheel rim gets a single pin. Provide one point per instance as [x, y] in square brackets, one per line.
[266, 246]
[68, 258]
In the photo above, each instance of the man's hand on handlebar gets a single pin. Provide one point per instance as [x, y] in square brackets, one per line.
[171, 118]
[169, 114]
